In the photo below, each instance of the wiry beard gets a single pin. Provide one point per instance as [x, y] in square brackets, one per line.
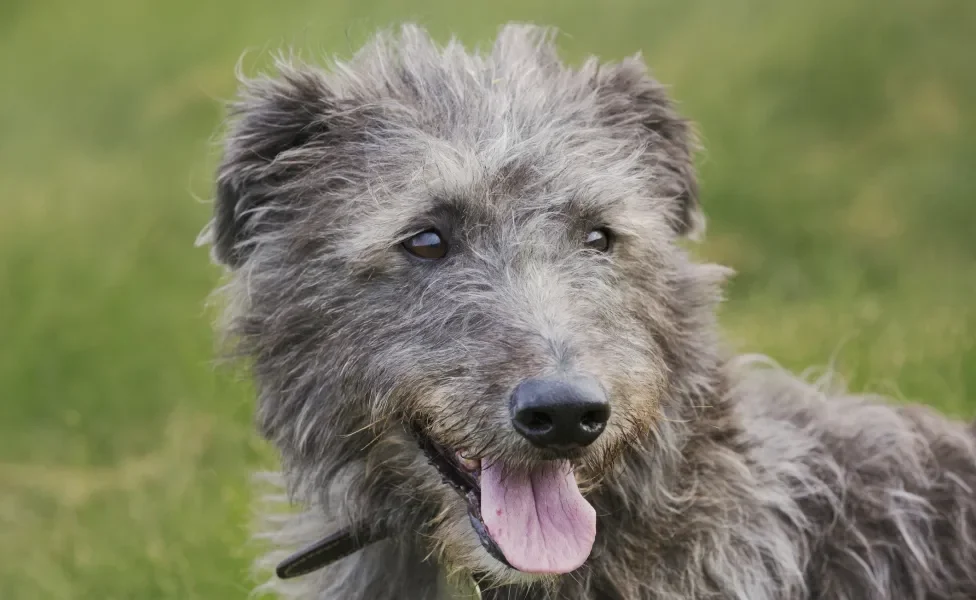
[404, 485]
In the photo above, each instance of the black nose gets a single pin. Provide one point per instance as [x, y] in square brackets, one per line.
[560, 413]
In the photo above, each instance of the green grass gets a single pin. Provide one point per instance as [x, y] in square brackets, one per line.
[838, 180]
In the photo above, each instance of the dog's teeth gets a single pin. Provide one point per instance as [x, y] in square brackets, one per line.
[468, 464]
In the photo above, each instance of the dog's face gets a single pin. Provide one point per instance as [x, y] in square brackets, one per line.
[469, 259]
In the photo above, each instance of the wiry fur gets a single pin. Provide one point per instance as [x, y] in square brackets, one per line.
[716, 478]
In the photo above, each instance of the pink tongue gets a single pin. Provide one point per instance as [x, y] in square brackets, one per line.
[539, 519]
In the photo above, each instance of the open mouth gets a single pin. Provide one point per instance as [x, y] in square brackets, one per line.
[535, 521]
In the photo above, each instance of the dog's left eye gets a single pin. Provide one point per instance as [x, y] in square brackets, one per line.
[598, 239]
[427, 244]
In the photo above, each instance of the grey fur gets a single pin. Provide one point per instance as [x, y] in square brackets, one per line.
[718, 477]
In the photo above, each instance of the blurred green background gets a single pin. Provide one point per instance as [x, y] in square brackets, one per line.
[838, 179]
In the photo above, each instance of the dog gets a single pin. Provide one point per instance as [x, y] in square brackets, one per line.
[492, 369]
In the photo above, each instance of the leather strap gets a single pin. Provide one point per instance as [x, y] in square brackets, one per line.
[353, 539]
[328, 550]
[349, 541]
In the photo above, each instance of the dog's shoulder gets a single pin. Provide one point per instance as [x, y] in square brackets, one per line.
[787, 417]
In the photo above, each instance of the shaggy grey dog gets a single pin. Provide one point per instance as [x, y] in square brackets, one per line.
[482, 352]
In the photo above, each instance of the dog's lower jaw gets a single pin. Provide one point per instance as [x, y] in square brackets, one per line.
[460, 553]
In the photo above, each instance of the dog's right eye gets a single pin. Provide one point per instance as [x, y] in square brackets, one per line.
[427, 244]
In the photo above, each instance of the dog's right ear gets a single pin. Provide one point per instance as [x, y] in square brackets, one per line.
[275, 126]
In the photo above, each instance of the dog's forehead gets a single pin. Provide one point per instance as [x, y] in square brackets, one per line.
[495, 137]
[500, 172]
[495, 163]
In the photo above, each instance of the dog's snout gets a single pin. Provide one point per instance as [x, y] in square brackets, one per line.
[560, 414]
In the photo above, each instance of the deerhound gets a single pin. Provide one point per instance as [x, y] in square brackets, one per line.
[492, 369]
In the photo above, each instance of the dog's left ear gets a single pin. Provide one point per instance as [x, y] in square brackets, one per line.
[275, 124]
[633, 100]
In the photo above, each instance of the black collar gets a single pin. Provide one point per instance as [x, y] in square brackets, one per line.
[328, 550]
[349, 541]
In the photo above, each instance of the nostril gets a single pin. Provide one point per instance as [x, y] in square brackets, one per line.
[593, 420]
[536, 421]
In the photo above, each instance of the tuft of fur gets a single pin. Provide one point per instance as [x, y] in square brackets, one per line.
[718, 476]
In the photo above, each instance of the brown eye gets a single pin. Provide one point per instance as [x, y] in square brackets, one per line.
[598, 239]
[428, 244]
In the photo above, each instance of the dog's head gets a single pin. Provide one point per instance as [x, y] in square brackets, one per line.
[469, 258]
